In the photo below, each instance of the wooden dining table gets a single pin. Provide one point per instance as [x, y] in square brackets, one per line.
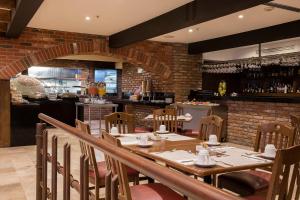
[188, 145]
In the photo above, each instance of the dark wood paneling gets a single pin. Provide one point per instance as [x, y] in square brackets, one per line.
[272, 33]
[3, 27]
[8, 4]
[4, 113]
[21, 16]
[195, 12]
[4, 16]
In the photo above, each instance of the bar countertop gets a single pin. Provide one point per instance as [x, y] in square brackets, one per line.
[275, 99]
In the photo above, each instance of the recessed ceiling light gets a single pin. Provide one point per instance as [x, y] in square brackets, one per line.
[87, 18]
[191, 30]
[241, 16]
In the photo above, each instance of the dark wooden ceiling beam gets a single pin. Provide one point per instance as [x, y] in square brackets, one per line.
[190, 14]
[3, 27]
[268, 34]
[5, 16]
[21, 16]
[8, 4]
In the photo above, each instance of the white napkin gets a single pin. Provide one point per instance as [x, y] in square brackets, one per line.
[176, 137]
[179, 156]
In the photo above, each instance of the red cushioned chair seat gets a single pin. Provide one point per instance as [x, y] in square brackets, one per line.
[103, 170]
[153, 191]
[142, 130]
[245, 183]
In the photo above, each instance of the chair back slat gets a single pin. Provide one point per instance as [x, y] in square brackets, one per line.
[118, 169]
[285, 185]
[167, 117]
[210, 125]
[281, 135]
[87, 150]
[295, 121]
[123, 121]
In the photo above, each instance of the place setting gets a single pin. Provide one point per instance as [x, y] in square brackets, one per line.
[213, 141]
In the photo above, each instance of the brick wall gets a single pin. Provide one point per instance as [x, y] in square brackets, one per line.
[131, 80]
[244, 118]
[187, 73]
[168, 63]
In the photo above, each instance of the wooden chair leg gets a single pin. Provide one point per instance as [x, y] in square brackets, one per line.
[97, 188]
[136, 180]
[214, 181]
[114, 188]
[108, 186]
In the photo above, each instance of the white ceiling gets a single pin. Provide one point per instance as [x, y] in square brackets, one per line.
[117, 15]
[114, 15]
[254, 18]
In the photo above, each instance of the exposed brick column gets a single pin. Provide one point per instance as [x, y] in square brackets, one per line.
[186, 73]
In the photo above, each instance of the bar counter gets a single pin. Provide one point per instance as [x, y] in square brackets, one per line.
[245, 113]
[262, 98]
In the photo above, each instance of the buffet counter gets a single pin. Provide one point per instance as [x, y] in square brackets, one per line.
[145, 103]
[25, 116]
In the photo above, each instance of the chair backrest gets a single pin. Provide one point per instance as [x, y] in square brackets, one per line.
[285, 180]
[295, 120]
[87, 150]
[281, 135]
[123, 121]
[117, 168]
[211, 124]
[167, 117]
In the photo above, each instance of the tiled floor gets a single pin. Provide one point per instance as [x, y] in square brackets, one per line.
[17, 167]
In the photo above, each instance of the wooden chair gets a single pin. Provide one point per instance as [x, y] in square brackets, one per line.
[210, 125]
[285, 180]
[98, 170]
[137, 192]
[123, 121]
[295, 121]
[167, 117]
[251, 182]
[282, 136]
[179, 111]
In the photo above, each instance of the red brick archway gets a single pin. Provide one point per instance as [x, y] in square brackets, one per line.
[95, 46]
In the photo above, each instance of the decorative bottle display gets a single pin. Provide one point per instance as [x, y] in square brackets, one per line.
[101, 89]
[92, 89]
[222, 88]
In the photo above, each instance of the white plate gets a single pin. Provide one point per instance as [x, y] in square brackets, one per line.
[210, 164]
[213, 143]
[149, 144]
[267, 156]
[162, 132]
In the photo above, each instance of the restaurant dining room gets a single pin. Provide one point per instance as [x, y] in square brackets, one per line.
[149, 100]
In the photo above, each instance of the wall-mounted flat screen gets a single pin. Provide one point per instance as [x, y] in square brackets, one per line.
[109, 76]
